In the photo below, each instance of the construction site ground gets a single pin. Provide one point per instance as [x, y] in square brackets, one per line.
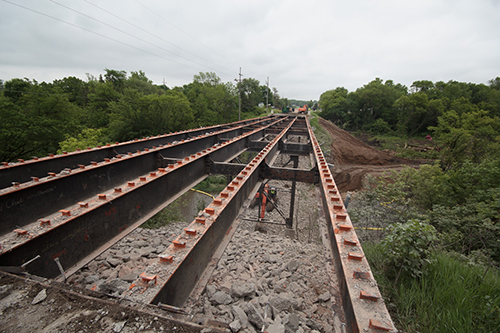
[28, 305]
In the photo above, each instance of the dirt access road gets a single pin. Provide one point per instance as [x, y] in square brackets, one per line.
[354, 159]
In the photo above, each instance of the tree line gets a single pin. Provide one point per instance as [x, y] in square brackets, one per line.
[70, 113]
[464, 117]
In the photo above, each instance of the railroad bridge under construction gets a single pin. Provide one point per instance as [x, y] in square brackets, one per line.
[60, 212]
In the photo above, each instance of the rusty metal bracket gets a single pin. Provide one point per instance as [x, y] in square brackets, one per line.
[299, 175]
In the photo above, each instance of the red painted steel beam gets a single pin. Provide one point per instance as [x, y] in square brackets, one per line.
[24, 170]
[363, 314]
[79, 233]
[180, 267]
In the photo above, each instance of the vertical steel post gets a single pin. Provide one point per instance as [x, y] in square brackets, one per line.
[289, 221]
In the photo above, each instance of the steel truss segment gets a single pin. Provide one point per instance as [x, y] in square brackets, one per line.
[24, 171]
[81, 232]
[353, 270]
[183, 263]
[23, 205]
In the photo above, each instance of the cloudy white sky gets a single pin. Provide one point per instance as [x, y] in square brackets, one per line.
[304, 47]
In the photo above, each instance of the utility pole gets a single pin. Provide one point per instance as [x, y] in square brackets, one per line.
[239, 97]
[267, 96]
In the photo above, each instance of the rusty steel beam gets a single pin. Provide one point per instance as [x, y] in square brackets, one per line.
[28, 202]
[291, 148]
[363, 314]
[183, 263]
[290, 174]
[84, 230]
[24, 171]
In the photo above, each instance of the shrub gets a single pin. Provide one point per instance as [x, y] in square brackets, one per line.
[407, 247]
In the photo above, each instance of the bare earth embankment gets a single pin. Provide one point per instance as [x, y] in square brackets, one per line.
[354, 159]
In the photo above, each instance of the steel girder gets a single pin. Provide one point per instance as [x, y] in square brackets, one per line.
[363, 306]
[24, 171]
[82, 231]
[28, 202]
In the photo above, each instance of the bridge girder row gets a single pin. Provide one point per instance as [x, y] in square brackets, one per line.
[83, 230]
[117, 211]
[25, 203]
[24, 171]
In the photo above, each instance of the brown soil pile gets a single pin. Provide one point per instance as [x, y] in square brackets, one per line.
[354, 159]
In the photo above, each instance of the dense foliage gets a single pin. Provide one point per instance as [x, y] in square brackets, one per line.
[382, 107]
[70, 113]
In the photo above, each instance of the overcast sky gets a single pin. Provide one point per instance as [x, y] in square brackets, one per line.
[304, 47]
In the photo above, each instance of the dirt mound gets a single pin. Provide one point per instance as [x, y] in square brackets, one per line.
[354, 159]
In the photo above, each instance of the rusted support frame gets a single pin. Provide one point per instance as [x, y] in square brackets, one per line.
[26, 204]
[300, 175]
[87, 231]
[221, 168]
[24, 171]
[289, 220]
[267, 172]
[353, 271]
[190, 261]
[285, 147]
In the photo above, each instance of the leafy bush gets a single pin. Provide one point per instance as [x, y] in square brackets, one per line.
[89, 137]
[380, 126]
[212, 184]
[407, 247]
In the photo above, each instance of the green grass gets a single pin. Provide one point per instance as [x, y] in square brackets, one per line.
[169, 214]
[212, 184]
[451, 296]
[324, 139]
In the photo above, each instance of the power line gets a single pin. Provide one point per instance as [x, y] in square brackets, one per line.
[101, 35]
[152, 11]
[124, 32]
[152, 34]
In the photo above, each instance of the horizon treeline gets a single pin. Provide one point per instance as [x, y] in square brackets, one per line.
[42, 118]
[464, 117]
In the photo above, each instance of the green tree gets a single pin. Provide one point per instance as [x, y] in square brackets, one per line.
[75, 89]
[116, 77]
[376, 100]
[213, 101]
[334, 106]
[15, 88]
[137, 115]
[97, 111]
[34, 121]
[251, 95]
[416, 113]
[467, 136]
[141, 83]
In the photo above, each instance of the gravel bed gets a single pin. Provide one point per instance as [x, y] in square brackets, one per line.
[263, 279]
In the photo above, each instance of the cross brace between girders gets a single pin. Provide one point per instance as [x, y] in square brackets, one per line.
[267, 172]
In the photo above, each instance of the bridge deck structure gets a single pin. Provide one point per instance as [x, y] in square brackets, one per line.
[65, 210]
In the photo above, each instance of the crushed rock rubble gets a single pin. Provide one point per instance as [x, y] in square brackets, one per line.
[116, 269]
[271, 281]
[262, 280]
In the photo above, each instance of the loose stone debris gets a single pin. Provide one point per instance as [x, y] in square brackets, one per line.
[264, 280]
